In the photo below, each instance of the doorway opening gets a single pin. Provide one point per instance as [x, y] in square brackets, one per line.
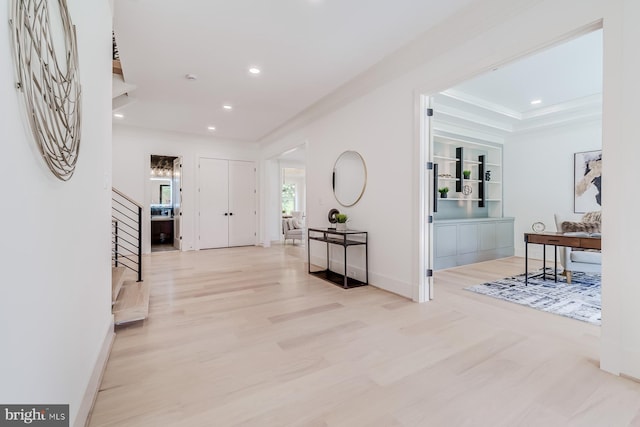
[502, 148]
[291, 196]
[165, 207]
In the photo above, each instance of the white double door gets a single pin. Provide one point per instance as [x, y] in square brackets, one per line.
[227, 203]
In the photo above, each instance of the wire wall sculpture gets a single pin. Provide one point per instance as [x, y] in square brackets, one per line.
[49, 81]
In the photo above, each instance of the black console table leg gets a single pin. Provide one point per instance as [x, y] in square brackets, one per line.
[544, 262]
[526, 263]
[366, 263]
[346, 280]
[555, 263]
[308, 252]
[328, 268]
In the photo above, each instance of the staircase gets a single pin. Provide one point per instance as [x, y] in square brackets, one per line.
[129, 293]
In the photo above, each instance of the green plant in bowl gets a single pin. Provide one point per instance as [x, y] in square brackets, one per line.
[341, 218]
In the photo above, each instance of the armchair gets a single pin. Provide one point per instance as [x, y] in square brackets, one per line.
[292, 229]
[572, 259]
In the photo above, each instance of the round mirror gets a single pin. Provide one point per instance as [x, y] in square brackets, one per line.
[349, 178]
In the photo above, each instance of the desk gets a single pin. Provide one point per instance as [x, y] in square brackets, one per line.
[345, 239]
[555, 239]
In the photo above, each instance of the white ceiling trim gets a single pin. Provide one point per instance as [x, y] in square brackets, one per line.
[444, 111]
[587, 102]
[482, 103]
[490, 118]
[557, 121]
[460, 133]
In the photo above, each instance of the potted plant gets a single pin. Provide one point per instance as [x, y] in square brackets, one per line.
[342, 222]
[466, 174]
[443, 192]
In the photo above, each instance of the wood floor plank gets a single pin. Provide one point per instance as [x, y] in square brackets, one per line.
[306, 312]
[245, 337]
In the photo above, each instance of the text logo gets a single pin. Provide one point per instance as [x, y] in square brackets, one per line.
[34, 415]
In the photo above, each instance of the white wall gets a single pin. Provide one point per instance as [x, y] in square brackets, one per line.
[620, 336]
[132, 148]
[55, 296]
[368, 125]
[377, 115]
[270, 190]
[538, 176]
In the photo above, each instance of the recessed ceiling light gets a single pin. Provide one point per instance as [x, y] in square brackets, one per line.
[254, 70]
[118, 115]
[536, 102]
[191, 77]
[211, 128]
[227, 107]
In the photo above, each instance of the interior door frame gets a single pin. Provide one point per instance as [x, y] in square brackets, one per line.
[177, 194]
[425, 197]
[146, 212]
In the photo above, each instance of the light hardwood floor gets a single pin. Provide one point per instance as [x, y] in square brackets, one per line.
[244, 336]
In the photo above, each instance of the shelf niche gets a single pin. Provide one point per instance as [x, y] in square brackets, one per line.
[452, 153]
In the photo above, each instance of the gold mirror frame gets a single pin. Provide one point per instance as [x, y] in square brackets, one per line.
[346, 203]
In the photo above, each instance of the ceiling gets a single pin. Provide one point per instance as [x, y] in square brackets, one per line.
[566, 79]
[305, 49]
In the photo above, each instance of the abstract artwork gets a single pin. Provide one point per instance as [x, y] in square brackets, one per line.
[587, 181]
[47, 75]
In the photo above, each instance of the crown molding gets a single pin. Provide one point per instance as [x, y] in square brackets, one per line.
[473, 112]
[481, 103]
[586, 102]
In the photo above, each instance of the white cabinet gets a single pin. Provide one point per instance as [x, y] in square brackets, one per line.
[227, 209]
[465, 241]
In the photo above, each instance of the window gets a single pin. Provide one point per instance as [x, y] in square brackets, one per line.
[288, 198]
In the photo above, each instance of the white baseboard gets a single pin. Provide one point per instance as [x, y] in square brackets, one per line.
[379, 281]
[392, 285]
[91, 393]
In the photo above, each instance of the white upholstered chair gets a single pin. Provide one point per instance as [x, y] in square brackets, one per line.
[585, 261]
[292, 229]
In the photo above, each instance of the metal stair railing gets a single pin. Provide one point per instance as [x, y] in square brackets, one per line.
[126, 232]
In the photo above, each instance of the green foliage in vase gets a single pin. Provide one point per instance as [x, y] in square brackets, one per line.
[342, 218]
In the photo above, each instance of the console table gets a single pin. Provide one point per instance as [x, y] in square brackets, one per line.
[345, 239]
[555, 239]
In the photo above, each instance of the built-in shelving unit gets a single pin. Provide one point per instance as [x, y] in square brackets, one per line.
[469, 225]
[455, 155]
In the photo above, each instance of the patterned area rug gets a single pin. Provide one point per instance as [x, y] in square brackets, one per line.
[579, 300]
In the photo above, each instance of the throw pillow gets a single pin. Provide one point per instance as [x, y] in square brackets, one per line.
[296, 223]
[592, 217]
[290, 224]
[587, 227]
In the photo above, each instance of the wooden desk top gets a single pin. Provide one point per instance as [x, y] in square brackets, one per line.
[559, 239]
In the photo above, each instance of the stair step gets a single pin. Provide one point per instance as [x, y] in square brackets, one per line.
[132, 304]
[117, 278]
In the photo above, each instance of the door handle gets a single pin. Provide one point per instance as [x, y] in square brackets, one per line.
[225, 214]
[231, 213]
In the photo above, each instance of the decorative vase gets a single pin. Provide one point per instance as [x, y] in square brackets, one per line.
[487, 176]
[341, 226]
[443, 195]
[466, 175]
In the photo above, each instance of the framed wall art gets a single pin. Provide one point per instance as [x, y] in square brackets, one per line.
[587, 183]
